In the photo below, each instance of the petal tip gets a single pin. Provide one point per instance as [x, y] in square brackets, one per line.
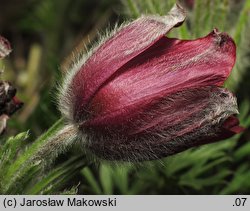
[232, 124]
[178, 13]
[221, 37]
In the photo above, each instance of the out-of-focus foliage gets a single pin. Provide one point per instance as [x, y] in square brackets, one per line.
[26, 169]
[43, 33]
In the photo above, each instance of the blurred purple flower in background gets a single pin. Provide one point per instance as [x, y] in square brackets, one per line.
[9, 103]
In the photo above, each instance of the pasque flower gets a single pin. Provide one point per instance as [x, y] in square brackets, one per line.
[140, 95]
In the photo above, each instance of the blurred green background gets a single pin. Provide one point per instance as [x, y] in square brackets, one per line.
[43, 34]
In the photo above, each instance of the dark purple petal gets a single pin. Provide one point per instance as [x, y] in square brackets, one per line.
[182, 120]
[231, 126]
[9, 103]
[169, 66]
[127, 43]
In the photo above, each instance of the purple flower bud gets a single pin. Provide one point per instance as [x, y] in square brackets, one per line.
[143, 96]
[5, 48]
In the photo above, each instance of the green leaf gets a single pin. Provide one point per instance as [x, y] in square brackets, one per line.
[240, 183]
[242, 21]
[55, 179]
[106, 179]
[95, 187]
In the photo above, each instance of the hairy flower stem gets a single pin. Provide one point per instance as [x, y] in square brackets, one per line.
[41, 153]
